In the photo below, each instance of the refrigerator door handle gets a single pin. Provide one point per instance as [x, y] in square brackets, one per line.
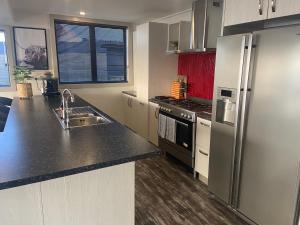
[297, 210]
[241, 123]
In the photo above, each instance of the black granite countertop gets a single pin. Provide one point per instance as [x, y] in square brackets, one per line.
[34, 147]
[130, 93]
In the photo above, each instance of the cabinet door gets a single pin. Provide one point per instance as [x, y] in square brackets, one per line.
[129, 104]
[279, 8]
[126, 109]
[203, 134]
[202, 164]
[153, 123]
[244, 11]
[140, 118]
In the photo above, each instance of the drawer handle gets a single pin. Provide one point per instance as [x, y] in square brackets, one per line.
[273, 3]
[260, 7]
[204, 124]
[203, 153]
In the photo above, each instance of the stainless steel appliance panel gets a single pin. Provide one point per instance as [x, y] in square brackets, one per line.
[206, 24]
[231, 54]
[270, 162]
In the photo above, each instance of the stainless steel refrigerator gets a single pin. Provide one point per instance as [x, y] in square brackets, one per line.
[255, 143]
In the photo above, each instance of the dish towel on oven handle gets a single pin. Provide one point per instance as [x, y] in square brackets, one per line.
[171, 130]
[162, 125]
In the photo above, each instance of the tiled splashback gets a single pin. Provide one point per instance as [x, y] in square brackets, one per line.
[199, 69]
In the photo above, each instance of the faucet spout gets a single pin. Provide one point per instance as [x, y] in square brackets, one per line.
[66, 95]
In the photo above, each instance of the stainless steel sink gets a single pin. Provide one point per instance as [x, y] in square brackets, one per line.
[80, 117]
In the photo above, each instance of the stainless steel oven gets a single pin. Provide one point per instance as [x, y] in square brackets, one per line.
[183, 146]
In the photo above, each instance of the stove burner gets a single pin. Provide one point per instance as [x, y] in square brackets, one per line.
[185, 108]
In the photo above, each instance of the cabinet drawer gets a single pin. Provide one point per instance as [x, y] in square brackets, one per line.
[201, 162]
[203, 134]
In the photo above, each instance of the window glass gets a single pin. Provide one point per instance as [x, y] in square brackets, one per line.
[4, 74]
[111, 57]
[74, 55]
[90, 53]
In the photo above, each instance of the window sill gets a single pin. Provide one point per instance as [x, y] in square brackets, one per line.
[7, 89]
[95, 85]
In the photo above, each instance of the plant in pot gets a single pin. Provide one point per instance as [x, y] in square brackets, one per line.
[22, 74]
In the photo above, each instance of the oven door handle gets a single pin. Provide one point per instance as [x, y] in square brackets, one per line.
[184, 124]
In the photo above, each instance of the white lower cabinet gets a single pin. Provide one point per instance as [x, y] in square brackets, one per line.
[153, 122]
[99, 197]
[202, 164]
[202, 148]
[136, 115]
[129, 105]
[21, 205]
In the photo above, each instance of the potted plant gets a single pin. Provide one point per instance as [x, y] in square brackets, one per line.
[22, 74]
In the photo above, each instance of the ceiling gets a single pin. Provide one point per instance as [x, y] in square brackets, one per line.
[135, 11]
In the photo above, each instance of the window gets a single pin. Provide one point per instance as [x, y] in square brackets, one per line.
[4, 73]
[89, 53]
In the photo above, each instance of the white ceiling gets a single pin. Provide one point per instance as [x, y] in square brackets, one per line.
[135, 11]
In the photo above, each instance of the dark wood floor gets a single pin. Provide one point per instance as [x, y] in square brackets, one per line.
[166, 194]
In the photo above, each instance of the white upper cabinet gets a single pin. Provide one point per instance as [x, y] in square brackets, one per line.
[154, 69]
[244, 11]
[280, 8]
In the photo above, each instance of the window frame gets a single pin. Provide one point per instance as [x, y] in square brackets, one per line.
[93, 50]
[10, 58]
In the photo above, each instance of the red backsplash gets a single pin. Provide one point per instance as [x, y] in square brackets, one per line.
[199, 69]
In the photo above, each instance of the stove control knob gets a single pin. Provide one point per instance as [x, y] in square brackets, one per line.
[189, 117]
[169, 110]
[185, 116]
[182, 115]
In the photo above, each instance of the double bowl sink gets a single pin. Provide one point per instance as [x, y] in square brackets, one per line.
[80, 117]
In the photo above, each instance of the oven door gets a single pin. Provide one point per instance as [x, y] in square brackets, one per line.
[184, 134]
[183, 148]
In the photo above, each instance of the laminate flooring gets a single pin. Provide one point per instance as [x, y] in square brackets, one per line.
[167, 194]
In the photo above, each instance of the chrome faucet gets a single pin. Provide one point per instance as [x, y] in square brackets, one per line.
[66, 95]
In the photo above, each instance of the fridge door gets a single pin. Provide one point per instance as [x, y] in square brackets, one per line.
[232, 55]
[270, 161]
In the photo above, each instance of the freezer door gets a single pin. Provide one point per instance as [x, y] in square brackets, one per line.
[271, 153]
[229, 73]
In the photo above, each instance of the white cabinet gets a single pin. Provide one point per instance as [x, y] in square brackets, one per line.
[179, 36]
[21, 205]
[153, 122]
[128, 105]
[136, 115]
[280, 8]
[244, 11]
[154, 69]
[202, 148]
[141, 117]
[98, 197]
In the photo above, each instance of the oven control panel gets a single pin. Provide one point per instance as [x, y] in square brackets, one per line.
[180, 113]
[165, 109]
[186, 116]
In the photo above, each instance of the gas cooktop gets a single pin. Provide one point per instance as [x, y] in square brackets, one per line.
[184, 108]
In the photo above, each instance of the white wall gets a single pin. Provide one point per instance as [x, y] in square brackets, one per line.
[107, 98]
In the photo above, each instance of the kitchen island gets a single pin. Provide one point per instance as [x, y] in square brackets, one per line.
[53, 176]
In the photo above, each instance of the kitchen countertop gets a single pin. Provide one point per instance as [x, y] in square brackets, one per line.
[34, 147]
[204, 116]
[130, 93]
